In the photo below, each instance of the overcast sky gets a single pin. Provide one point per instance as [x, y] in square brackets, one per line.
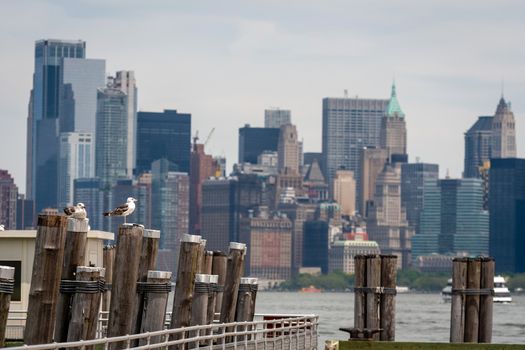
[226, 61]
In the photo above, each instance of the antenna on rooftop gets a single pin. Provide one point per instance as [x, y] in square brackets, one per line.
[346, 93]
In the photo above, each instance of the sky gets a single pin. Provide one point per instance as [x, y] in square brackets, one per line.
[226, 61]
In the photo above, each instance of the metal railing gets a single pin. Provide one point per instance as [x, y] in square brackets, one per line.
[272, 332]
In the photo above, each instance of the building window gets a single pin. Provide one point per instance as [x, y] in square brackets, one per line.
[17, 295]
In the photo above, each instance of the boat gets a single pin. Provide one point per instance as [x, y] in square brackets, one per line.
[310, 289]
[501, 292]
[446, 293]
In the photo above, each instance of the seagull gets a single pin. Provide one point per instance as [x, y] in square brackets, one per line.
[2, 228]
[124, 209]
[76, 211]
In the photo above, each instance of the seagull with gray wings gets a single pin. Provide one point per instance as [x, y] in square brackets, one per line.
[76, 211]
[124, 209]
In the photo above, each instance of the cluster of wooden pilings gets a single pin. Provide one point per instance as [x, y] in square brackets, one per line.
[210, 283]
[66, 298]
[374, 302]
[472, 300]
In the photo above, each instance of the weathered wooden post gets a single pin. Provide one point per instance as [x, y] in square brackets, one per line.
[472, 300]
[45, 279]
[219, 267]
[7, 285]
[109, 263]
[234, 272]
[123, 295]
[208, 262]
[486, 302]
[388, 298]
[254, 286]
[201, 257]
[74, 256]
[156, 292]
[373, 281]
[86, 304]
[188, 267]
[359, 293]
[459, 284]
[148, 261]
[199, 307]
[212, 298]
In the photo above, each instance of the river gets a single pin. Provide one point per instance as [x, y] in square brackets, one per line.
[419, 317]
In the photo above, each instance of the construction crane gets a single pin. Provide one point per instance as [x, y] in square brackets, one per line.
[209, 136]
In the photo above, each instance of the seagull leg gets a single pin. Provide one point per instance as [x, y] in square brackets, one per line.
[124, 220]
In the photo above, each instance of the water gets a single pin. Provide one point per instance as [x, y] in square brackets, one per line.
[419, 317]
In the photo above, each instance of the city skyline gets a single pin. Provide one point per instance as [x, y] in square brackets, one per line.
[249, 58]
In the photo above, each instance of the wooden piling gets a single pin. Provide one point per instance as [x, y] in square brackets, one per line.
[45, 279]
[86, 304]
[373, 281]
[199, 307]
[148, 261]
[201, 257]
[234, 272]
[219, 267]
[387, 314]
[155, 303]
[472, 301]
[359, 294]
[7, 282]
[459, 284]
[109, 263]
[74, 256]
[486, 302]
[188, 266]
[123, 295]
[245, 301]
[208, 262]
[212, 298]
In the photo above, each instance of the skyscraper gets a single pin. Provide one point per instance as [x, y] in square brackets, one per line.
[80, 78]
[76, 160]
[503, 132]
[413, 177]
[349, 125]
[315, 244]
[218, 213]
[170, 199]
[387, 223]
[111, 135]
[254, 141]
[42, 133]
[163, 135]
[393, 128]
[478, 143]
[372, 161]
[203, 166]
[288, 150]
[8, 198]
[344, 191]
[125, 81]
[275, 118]
[269, 246]
[507, 214]
[452, 219]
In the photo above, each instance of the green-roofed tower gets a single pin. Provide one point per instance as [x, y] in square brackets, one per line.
[393, 129]
[394, 109]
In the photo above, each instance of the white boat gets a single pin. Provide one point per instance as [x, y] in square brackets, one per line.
[501, 292]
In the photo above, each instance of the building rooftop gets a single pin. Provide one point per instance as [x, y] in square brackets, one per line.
[394, 109]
